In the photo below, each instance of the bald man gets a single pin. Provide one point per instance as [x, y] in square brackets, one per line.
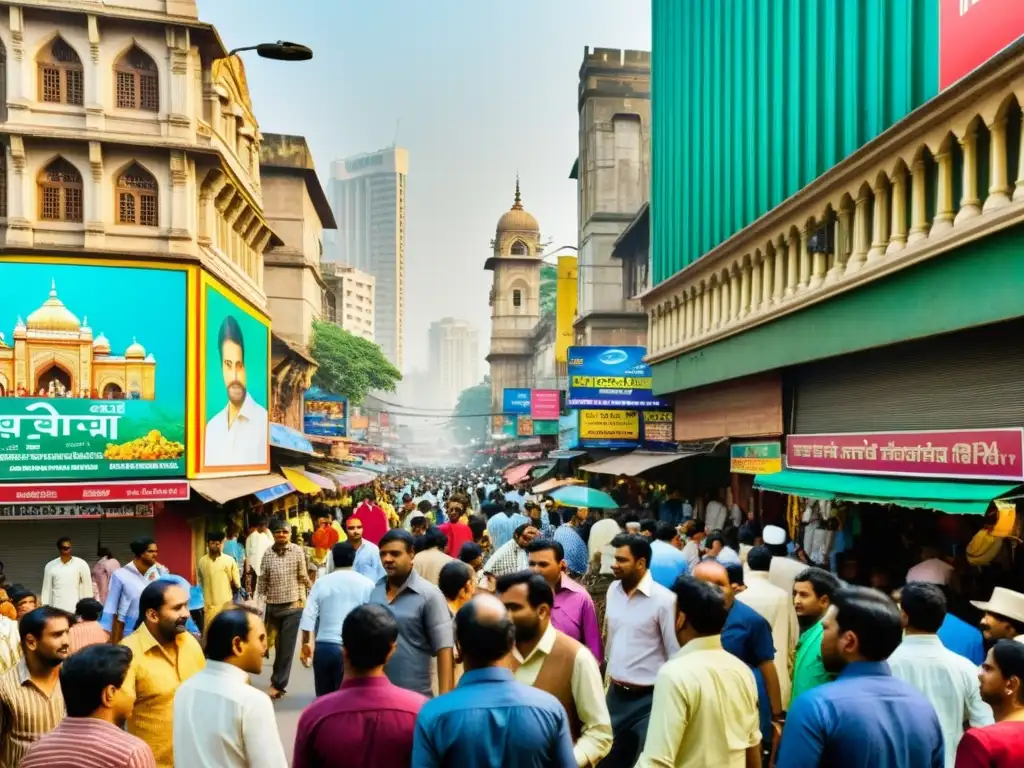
[469, 725]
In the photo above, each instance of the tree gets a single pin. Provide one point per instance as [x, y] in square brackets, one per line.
[548, 289]
[348, 364]
[471, 417]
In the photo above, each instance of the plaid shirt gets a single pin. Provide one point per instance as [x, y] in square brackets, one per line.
[283, 577]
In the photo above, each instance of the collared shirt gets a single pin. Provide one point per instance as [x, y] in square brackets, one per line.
[574, 615]
[492, 721]
[948, 681]
[256, 544]
[86, 633]
[217, 576]
[10, 644]
[691, 552]
[777, 608]
[88, 741]
[126, 587]
[101, 573]
[641, 631]
[994, 746]
[244, 443]
[154, 677]
[500, 528]
[783, 572]
[963, 638]
[369, 720]
[866, 717]
[808, 668]
[284, 575]
[573, 546]
[667, 563]
[509, 558]
[220, 721]
[424, 628]
[595, 741]
[715, 516]
[332, 598]
[367, 562]
[704, 712]
[235, 551]
[26, 713]
[429, 563]
[64, 584]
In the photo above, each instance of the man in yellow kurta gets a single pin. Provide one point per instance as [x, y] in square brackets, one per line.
[218, 576]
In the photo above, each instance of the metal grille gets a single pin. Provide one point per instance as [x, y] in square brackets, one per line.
[74, 86]
[61, 194]
[50, 77]
[126, 208]
[126, 90]
[147, 210]
[149, 92]
[51, 204]
[137, 84]
[136, 198]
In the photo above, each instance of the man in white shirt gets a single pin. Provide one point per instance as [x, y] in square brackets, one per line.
[220, 720]
[947, 679]
[932, 569]
[256, 544]
[695, 533]
[716, 515]
[66, 579]
[776, 606]
[238, 435]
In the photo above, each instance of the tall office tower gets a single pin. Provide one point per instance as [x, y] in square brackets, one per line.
[348, 300]
[367, 195]
[454, 359]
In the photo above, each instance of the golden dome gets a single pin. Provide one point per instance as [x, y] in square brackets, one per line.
[101, 344]
[53, 315]
[135, 351]
[516, 219]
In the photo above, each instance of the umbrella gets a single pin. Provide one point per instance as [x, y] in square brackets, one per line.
[518, 473]
[550, 485]
[582, 496]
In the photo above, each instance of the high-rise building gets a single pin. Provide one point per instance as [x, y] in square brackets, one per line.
[349, 298]
[367, 195]
[454, 358]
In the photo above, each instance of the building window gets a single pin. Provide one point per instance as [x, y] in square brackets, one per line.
[60, 192]
[60, 74]
[519, 249]
[517, 298]
[137, 85]
[136, 197]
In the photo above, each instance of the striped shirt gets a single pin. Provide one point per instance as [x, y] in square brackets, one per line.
[88, 741]
[86, 633]
[26, 714]
[283, 577]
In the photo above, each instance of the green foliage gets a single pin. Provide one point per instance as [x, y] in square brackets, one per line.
[350, 365]
[548, 288]
[471, 417]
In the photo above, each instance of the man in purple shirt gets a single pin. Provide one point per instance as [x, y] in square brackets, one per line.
[368, 722]
[574, 613]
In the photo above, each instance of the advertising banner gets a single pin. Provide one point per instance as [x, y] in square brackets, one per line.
[74, 511]
[566, 298]
[755, 458]
[524, 426]
[545, 427]
[94, 493]
[509, 426]
[234, 383]
[610, 377]
[545, 403]
[609, 425]
[515, 401]
[973, 31]
[325, 414]
[658, 427]
[569, 431]
[969, 454]
[92, 370]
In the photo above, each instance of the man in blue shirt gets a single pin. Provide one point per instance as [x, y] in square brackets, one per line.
[962, 638]
[667, 560]
[490, 720]
[867, 716]
[576, 558]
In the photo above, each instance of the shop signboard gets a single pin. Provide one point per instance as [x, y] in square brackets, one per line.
[497, 423]
[566, 299]
[968, 454]
[609, 425]
[569, 431]
[545, 427]
[509, 426]
[524, 426]
[755, 458]
[610, 377]
[545, 403]
[515, 401]
[93, 370]
[234, 380]
[658, 427]
[94, 493]
[973, 31]
[73, 511]
[325, 414]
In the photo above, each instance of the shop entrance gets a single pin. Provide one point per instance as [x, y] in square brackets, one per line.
[54, 381]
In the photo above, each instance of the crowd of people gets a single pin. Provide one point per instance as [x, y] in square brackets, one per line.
[452, 620]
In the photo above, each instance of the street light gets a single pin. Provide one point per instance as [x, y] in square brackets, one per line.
[279, 51]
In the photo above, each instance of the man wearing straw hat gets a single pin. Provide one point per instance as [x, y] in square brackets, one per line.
[1004, 616]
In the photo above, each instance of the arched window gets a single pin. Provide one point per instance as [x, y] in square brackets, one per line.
[136, 197]
[60, 192]
[60, 74]
[137, 83]
[519, 249]
[517, 298]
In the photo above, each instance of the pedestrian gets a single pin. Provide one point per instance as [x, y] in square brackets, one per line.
[31, 701]
[500, 527]
[572, 543]
[368, 722]
[10, 640]
[25, 600]
[694, 543]
[1004, 616]
[947, 680]
[668, 562]
[491, 720]
[164, 655]
[601, 556]
[217, 574]
[573, 613]
[512, 556]
[283, 583]
[813, 591]
[324, 537]
[87, 630]
[102, 571]
[1002, 688]
[430, 554]
[367, 554]
[641, 617]
[330, 600]
[220, 720]
[375, 520]
[705, 710]
[121, 609]
[66, 579]
[424, 623]
[456, 530]
[92, 734]
[867, 716]
[232, 548]
[552, 661]
[457, 583]
[259, 540]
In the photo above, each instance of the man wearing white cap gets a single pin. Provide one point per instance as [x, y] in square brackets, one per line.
[784, 569]
[1004, 616]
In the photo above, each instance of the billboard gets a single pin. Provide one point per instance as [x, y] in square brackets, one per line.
[545, 403]
[610, 425]
[325, 414]
[566, 299]
[973, 31]
[93, 368]
[610, 377]
[515, 401]
[234, 383]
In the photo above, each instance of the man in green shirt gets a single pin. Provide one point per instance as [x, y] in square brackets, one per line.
[812, 595]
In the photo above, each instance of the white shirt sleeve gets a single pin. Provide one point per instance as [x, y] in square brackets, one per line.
[85, 584]
[47, 591]
[263, 748]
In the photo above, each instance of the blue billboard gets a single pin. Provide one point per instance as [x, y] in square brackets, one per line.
[325, 414]
[515, 401]
[610, 377]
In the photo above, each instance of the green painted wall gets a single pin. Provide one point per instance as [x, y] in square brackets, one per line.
[754, 99]
[975, 285]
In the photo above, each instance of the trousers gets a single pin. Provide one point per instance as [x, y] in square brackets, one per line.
[327, 668]
[285, 620]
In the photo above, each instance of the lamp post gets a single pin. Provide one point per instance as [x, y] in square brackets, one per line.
[282, 50]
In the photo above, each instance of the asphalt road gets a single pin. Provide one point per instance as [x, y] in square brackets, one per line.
[299, 695]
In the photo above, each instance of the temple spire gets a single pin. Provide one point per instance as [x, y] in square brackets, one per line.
[518, 204]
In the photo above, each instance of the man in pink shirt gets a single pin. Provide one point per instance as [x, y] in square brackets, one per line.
[375, 520]
[456, 529]
[88, 630]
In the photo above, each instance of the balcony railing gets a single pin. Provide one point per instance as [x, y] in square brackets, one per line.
[949, 173]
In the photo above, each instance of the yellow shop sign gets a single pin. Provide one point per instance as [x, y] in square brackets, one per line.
[609, 425]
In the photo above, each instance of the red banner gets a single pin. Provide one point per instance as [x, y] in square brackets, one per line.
[970, 454]
[973, 31]
[94, 493]
[545, 404]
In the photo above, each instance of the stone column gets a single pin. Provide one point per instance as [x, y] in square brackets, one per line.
[706, 296]
[792, 264]
[944, 195]
[970, 204]
[767, 277]
[859, 253]
[880, 222]
[805, 260]
[998, 162]
[918, 202]
[734, 293]
[898, 212]
[716, 304]
[756, 268]
[779, 287]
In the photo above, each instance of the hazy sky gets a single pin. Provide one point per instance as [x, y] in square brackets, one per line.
[474, 89]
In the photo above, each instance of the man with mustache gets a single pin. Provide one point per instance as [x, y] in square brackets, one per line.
[237, 435]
